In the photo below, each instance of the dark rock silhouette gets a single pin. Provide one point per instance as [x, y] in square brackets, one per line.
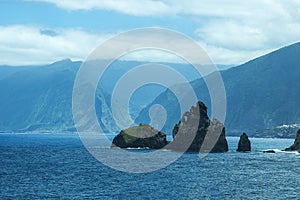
[142, 136]
[244, 143]
[269, 151]
[197, 133]
[296, 145]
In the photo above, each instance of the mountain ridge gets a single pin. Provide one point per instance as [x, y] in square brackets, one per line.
[39, 98]
[261, 93]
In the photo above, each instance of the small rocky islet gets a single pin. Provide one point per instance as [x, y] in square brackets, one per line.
[244, 144]
[142, 136]
[195, 132]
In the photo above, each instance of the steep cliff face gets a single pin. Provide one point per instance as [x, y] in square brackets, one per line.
[261, 94]
[296, 145]
[39, 98]
[196, 132]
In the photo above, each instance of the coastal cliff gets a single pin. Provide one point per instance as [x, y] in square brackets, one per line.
[296, 145]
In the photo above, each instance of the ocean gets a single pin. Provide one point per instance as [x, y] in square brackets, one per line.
[57, 166]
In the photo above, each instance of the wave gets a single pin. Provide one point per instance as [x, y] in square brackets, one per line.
[280, 151]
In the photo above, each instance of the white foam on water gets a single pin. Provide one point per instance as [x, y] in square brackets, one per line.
[281, 151]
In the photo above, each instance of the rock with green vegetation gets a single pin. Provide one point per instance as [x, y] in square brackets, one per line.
[195, 132]
[244, 143]
[296, 145]
[142, 136]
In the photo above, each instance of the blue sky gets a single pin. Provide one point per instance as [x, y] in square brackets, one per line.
[49, 15]
[231, 31]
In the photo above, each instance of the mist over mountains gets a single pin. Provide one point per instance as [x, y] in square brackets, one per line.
[261, 94]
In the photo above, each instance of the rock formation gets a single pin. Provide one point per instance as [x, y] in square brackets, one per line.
[197, 133]
[296, 145]
[142, 136]
[269, 151]
[244, 143]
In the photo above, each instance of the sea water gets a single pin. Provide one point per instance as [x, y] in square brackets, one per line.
[57, 166]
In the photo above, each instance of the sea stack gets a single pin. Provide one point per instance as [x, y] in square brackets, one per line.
[142, 136]
[244, 143]
[296, 145]
[195, 132]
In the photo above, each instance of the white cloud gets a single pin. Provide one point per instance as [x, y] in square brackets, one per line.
[22, 45]
[25, 45]
[230, 27]
[220, 55]
[131, 7]
[212, 8]
[268, 25]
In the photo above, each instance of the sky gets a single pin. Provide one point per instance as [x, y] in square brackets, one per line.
[230, 31]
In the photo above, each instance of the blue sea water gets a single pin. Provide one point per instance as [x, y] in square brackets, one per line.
[57, 166]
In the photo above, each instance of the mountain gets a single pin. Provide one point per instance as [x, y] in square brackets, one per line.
[261, 94]
[39, 98]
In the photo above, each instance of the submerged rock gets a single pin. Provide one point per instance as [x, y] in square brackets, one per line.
[197, 133]
[244, 143]
[296, 145]
[269, 151]
[142, 136]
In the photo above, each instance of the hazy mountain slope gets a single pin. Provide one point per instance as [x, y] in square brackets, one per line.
[39, 98]
[265, 92]
[261, 93]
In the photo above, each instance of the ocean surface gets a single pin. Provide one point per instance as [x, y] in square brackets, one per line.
[57, 166]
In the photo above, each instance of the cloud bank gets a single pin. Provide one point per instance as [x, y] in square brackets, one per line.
[231, 31]
[25, 45]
